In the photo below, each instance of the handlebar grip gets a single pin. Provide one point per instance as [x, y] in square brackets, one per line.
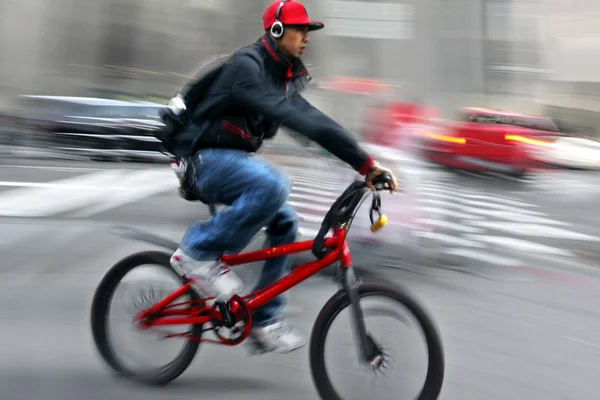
[382, 179]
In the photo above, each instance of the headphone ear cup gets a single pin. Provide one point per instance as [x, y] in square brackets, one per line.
[277, 30]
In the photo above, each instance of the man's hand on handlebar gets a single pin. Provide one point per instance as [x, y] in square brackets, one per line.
[377, 170]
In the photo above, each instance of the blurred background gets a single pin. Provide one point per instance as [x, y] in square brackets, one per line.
[488, 111]
[531, 55]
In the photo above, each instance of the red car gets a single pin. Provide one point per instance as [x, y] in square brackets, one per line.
[486, 140]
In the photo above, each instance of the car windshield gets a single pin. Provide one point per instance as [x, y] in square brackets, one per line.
[524, 121]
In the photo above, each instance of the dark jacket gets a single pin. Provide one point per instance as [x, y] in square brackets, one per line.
[257, 91]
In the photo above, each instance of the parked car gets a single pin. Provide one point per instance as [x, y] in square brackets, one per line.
[101, 129]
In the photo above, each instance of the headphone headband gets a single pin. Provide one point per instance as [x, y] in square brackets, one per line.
[279, 10]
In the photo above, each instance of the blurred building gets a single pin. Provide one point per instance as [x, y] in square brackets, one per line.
[522, 54]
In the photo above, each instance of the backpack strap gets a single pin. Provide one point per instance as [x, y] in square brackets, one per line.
[194, 89]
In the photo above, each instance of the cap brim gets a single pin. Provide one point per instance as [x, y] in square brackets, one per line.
[315, 26]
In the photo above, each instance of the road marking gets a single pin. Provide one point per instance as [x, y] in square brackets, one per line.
[37, 202]
[54, 168]
[518, 209]
[517, 217]
[448, 211]
[307, 232]
[450, 225]
[448, 239]
[327, 200]
[311, 175]
[308, 190]
[42, 185]
[326, 176]
[316, 185]
[312, 195]
[535, 230]
[310, 218]
[100, 191]
[481, 208]
[521, 245]
[441, 189]
[484, 256]
[308, 206]
[502, 199]
[140, 185]
[582, 341]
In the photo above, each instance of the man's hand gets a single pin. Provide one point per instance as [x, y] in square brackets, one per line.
[375, 172]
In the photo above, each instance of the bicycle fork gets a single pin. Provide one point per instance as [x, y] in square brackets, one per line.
[368, 350]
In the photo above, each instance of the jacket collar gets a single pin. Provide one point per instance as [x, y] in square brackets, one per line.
[293, 69]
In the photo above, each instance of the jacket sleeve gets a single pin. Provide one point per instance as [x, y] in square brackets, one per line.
[251, 91]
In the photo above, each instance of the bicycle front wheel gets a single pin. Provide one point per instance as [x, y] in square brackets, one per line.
[322, 372]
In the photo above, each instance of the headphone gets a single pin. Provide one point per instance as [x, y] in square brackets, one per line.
[277, 27]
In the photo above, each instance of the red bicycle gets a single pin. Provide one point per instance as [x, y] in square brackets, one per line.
[231, 321]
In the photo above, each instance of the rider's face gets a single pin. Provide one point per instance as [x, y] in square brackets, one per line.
[294, 41]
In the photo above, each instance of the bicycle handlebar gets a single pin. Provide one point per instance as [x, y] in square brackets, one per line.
[344, 207]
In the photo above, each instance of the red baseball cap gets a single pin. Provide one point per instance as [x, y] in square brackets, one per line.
[292, 13]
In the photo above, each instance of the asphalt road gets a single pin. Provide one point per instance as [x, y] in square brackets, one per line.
[514, 332]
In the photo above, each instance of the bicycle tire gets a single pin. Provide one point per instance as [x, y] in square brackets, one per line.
[338, 302]
[100, 308]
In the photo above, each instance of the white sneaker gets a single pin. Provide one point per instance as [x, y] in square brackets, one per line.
[279, 337]
[211, 278]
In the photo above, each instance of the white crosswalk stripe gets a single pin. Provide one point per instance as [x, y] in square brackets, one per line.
[93, 192]
[313, 193]
[510, 228]
[575, 183]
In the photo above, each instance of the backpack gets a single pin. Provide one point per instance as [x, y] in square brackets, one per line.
[180, 134]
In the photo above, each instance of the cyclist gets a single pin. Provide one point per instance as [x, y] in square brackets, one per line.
[255, 92]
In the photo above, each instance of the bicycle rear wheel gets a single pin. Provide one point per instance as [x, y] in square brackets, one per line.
[101, 309]
[339, 302]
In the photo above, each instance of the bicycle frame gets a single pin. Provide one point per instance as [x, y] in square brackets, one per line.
[339, 219]
[340, 252]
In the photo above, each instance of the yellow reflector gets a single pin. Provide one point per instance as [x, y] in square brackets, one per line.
[380, 223]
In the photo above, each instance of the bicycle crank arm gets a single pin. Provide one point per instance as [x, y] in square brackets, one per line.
[367, 351]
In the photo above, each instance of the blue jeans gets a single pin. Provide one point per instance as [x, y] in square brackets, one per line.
[256, 194]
